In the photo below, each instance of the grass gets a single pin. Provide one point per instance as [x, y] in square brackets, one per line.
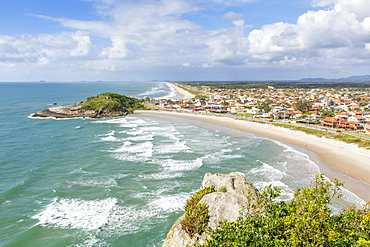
[361, 142]
[112, 102]
[198, 94]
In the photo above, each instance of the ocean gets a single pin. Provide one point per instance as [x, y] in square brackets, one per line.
[118, 181]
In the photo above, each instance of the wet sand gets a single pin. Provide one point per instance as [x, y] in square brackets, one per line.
[335, 158]
[184, 94]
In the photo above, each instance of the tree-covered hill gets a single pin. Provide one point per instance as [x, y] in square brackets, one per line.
[112, 102]
[102, 105]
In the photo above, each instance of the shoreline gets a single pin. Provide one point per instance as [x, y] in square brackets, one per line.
[348, 162]
[185, 95]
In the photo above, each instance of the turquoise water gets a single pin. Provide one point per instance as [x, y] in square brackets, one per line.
[118, 181]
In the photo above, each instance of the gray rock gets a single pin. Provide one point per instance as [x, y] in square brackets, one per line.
[240, 197]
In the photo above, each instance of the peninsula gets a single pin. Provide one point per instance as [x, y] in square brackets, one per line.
[102, 105]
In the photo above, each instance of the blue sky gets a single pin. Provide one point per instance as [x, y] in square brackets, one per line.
[141, 40]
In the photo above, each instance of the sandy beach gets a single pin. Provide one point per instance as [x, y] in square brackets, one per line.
[345, 161]
[184, 94]
[335, 159]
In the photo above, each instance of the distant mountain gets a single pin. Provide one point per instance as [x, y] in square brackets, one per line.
[358, 78]
[313, 79]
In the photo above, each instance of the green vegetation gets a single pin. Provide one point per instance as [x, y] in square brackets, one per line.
[112, 102]
[327, 113]
[223, 189]
[196, 91]
[306, 220]
[361, 142]
[230, 85]
[265, 106]
[352, 139]
[303, 105]
[277, 84]
[196, 214]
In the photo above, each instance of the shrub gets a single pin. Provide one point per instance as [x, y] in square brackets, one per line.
[306, 220]
[196, 214]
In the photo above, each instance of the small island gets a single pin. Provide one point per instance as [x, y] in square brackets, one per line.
[102, 105]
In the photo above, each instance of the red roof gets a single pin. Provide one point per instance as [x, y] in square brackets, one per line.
[353, 122]
[330, 120]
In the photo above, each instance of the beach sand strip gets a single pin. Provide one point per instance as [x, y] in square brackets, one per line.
[334, 158]
[184, 94]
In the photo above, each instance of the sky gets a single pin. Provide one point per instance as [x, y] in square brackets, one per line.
[181, 40]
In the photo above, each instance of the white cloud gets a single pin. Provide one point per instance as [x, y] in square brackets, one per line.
[330, 36]
[323, 3]
[228, 46]
[206, 65]
[44, 47]
[233, 16]
[156, 34]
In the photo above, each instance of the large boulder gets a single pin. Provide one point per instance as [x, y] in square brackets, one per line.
[234, 196]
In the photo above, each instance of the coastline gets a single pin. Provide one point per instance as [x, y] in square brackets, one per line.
[185, 95]
[348, 162]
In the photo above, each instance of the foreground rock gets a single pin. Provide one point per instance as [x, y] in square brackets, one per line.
[75, 111]
[239, 198]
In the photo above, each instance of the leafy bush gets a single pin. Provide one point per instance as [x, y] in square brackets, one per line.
[111, 102]
[196, 214]
[306, 220]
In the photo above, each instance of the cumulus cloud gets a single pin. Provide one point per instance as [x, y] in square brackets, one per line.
[44, 47]
[158, 34]
[331, 36]
[153, 27]
[228, 46]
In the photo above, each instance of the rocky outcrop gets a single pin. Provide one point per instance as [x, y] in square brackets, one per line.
[234, 196]
[76, 111]
[99, 106]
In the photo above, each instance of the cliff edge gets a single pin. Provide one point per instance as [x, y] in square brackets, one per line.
[233, 196]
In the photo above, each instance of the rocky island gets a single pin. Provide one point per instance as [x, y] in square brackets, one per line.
[102, 105]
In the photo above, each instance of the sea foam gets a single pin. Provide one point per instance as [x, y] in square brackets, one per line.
[76, 213]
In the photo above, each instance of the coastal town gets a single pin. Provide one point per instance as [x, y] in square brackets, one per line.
[344, 108]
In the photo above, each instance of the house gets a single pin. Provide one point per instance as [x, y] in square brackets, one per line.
[236, 109]
[330, 122]
[345, 125]
[201, 102]
[355, 125]
[357, 119]
[252, 110]
[282, 115]
[295, 114]
[216, 106]
[343, 115]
